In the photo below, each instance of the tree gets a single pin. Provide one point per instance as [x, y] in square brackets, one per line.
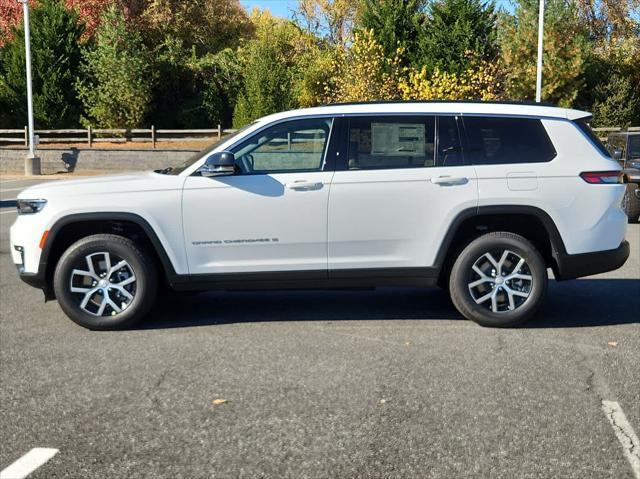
[115, 86]
[565, 51]
[330, 19]
[481, 83]
[456, 34]
[395, 23]
[209, 25]
[609, 21]
[364, 73]
[617, 102]
[268, 64]
[55, 33]
[90, 12]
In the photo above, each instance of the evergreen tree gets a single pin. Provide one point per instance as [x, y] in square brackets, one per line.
[55, 35]
[394, 23]
[116, 81]
[564, 57]
[456, 35]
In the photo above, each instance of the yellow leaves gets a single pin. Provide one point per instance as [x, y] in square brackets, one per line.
[479, 83]
[363, 72]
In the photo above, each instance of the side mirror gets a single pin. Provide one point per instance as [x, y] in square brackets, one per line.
[617, 154]
[221, 163]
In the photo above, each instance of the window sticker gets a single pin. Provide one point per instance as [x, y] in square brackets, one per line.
[397, 139]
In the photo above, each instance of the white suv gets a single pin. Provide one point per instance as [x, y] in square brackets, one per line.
[479, 198]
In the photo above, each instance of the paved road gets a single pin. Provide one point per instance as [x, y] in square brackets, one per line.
[386, 383]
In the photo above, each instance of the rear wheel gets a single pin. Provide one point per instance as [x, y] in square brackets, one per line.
[105, 282]
[499, 279]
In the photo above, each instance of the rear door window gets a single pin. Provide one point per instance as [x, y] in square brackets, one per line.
[391, 142]
[497, 140]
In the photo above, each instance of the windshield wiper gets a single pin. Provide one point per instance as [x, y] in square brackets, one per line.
[165, 170]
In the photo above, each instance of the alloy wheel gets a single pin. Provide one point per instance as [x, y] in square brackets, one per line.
[500, 285]
[106, 287]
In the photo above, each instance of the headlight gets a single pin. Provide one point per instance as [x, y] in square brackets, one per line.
[28, 207]
[635, 164]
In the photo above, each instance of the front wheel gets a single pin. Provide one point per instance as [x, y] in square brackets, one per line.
[500, 280]
[105, 282]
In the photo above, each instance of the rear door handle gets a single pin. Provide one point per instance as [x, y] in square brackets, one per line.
[449, 180]
[304, 185]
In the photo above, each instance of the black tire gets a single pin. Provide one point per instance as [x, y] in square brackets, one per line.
[463, 275]
[630, 203]
[138, 266]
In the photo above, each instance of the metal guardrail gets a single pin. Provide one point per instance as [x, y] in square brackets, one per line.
[113, 135]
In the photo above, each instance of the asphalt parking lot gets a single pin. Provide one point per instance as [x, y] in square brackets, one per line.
[365, 384]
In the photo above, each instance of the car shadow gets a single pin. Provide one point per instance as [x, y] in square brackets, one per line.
[571, 304]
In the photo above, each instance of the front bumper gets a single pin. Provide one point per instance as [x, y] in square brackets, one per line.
[572, 266]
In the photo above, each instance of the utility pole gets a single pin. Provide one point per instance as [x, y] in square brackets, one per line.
[540, 43]
[31, 162]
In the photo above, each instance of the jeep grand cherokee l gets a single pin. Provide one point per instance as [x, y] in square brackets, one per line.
[480, 198]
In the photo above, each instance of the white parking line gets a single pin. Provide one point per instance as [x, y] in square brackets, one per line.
[625, 434]
[7, 212]
[28, 463]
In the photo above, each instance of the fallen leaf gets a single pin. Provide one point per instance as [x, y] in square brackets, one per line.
[613, 344]
[217, 402]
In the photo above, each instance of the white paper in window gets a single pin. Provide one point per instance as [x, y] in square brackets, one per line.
[397, 139]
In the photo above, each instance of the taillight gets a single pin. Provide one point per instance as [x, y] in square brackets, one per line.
[602, 177]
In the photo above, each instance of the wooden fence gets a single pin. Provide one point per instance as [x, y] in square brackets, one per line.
[155, 136]
[603, 132]
[116, 135]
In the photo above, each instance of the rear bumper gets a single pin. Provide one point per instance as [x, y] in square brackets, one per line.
[572, 266]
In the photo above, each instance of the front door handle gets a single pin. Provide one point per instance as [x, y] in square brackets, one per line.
[449, 180]
[304, 185]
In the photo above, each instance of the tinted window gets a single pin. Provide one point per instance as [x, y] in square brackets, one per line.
[391, 142]
[507, 140]
[449, 151]
[291, 146]
[586, 129]
[634, 147]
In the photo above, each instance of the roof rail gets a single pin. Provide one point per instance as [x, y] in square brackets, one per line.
[492, 102]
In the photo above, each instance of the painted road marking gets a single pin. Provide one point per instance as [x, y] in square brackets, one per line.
[28, 463]
[7, 212]
[625, 434]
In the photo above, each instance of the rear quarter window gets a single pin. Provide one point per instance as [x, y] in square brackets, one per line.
[590, 134]
[497, 141]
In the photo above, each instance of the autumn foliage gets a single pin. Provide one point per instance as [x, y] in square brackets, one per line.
[175, 63]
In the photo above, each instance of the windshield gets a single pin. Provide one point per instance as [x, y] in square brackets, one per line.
[179, 169]
[634, 147]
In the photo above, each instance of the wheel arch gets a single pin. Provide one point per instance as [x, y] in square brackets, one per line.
[70, 228]
[529, 221]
